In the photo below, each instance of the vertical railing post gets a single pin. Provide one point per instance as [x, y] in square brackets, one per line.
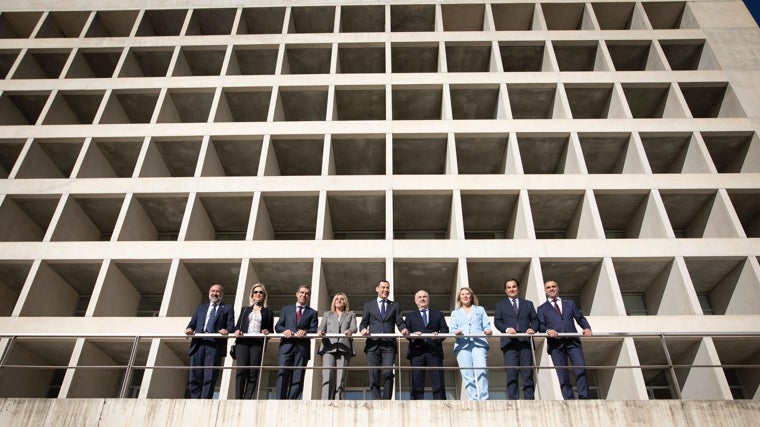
[674, 379]
[261, 368]
[128, 372]
[536, 391]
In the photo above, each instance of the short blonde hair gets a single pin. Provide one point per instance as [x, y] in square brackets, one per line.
[332, 305]
[474, 297]
[253, 288]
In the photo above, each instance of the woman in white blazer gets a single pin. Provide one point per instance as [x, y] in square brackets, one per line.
[336, 352]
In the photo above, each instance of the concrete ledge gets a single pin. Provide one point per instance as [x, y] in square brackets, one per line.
[163, 412]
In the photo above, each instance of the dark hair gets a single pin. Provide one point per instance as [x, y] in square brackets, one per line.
[303, 286]
[382, 281]
[511, 280]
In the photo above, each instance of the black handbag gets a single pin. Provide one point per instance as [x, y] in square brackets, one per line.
[232, 352]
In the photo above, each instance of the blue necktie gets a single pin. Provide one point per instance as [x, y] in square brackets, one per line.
[382, 309]
[423, 313]
[211, 319]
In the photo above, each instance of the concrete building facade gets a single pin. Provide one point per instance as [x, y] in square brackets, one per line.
[149, 149]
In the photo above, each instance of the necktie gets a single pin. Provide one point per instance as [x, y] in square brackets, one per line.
[382, 309]
[423, 313]
[556, 306]
[298, 314]
[211, 319]
[514, 305]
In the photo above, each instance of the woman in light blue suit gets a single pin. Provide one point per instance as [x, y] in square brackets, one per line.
[336, 352]
[471, 353]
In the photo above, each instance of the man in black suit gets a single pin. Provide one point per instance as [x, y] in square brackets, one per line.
[558, 315]
[379, 317]
[294, 323]
[215, 318]
[427, 352]
[517, 315]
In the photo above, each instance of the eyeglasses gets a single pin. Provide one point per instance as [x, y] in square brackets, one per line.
[258, 292]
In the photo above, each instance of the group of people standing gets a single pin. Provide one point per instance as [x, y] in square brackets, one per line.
[469, 322]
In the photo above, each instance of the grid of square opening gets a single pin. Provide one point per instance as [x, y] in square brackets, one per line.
[353, 19]
[560, 214]
[366, 154]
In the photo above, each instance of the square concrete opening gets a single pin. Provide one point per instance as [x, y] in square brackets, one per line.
[63, 25]
[358, 155]
[208, 22]
[161, 23]
[359, 103]
[468, 58]
[237, 156]
[417, 102]
[15, 25]
[261, 20]
[543, 154]
[153, 217]
[130, 106]
[489, 215]
[730, 151]
[362, 19]
[605, 153]
[746, 203]
[244, 104]
[414, 58]
[357, 58]
[94, 63]
[421, 215]
[523, 56]
[21, 108]
[555, 215]
[354, 216]
[199, 61]
[287, 218]
[481, 154]
[463, 17]
[513, 17]
[47, 158]
[253, 60]
[42, 64]
[312, 19]
[112, 23]
[88, 218]
[412, 18]
[111, 158]
[474, 102]
[146, 62]
[298, 155]
[417, 155]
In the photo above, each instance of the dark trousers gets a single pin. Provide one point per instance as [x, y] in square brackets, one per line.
[427, 359]
[518, 353]
[249, 353]
[201, 382]
[290, 380]
[560, 356]
[383, 355]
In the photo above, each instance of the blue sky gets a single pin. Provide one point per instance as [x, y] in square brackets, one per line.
[754, 9]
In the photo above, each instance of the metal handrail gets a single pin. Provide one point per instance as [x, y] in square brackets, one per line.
[131, 365]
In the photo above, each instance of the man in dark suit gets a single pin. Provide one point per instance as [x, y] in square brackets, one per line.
[379, 317]
[216, 318]
[517, 315]
[555, 316]
[427, 352]
[294, 323]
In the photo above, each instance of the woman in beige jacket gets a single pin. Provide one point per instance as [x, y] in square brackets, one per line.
[336, 352]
